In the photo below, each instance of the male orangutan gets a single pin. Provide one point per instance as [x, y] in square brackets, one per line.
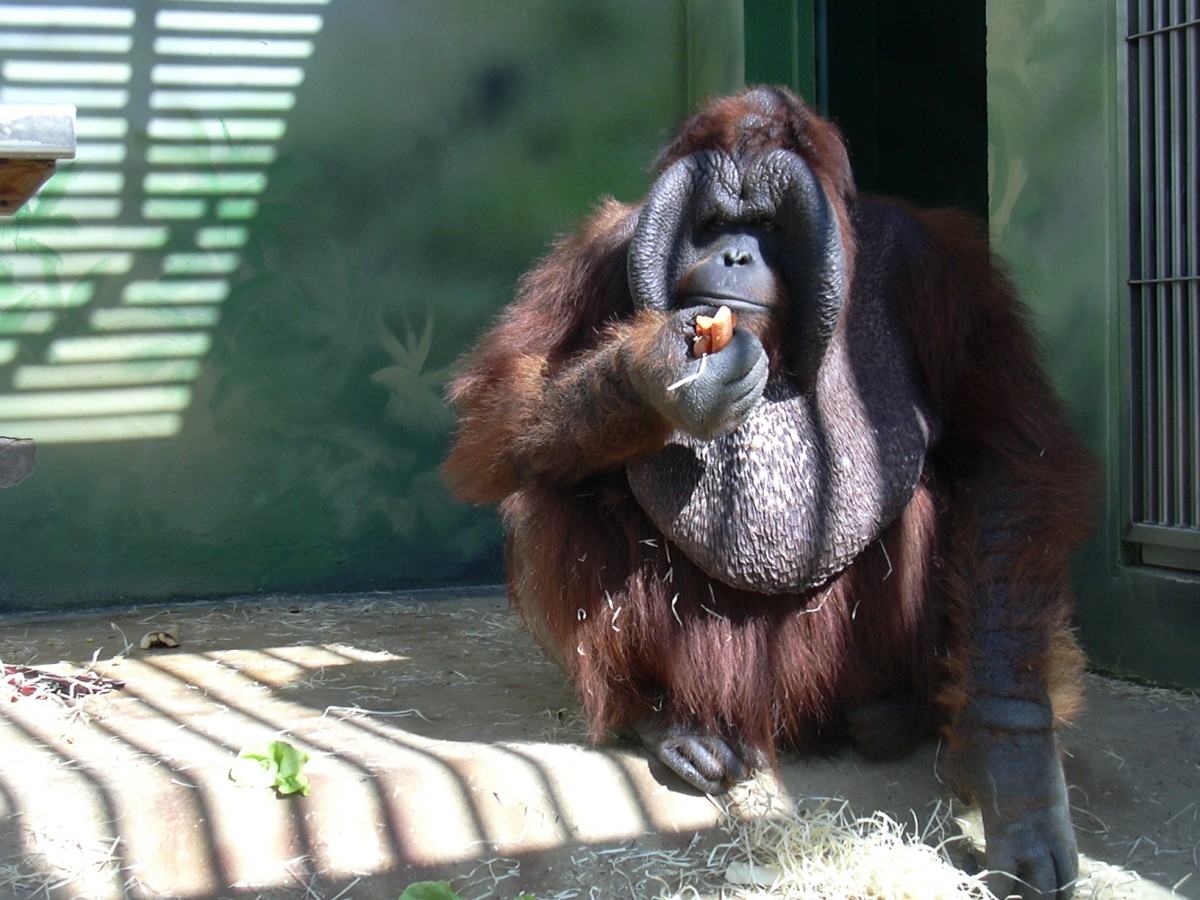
[851, 519]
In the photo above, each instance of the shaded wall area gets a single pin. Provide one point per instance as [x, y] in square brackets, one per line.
[1017, 111]
[229, 322]
[1060, 218]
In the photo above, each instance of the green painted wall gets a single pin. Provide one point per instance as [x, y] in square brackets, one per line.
[229, 322]
[1057, 210]
[233, 364]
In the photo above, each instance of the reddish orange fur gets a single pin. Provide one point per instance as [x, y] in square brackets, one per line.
[596, 582]
[985, 376]
[638, 627]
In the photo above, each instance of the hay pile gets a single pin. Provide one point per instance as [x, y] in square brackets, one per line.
[822, 851]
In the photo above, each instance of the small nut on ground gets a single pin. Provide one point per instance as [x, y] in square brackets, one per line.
[159, 639]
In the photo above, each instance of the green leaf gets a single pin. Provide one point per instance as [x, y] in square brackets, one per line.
[430, 890]
[276, 764]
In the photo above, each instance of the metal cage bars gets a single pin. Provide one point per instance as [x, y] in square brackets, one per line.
[1163, 45]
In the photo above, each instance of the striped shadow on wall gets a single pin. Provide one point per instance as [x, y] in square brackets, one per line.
[112, 278]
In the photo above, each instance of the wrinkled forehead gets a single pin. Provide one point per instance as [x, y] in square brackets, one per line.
[733, 189]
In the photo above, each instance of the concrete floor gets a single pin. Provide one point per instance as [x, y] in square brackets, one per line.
[443, 745]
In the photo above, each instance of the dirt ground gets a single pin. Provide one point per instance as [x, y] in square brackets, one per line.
[444, 746]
